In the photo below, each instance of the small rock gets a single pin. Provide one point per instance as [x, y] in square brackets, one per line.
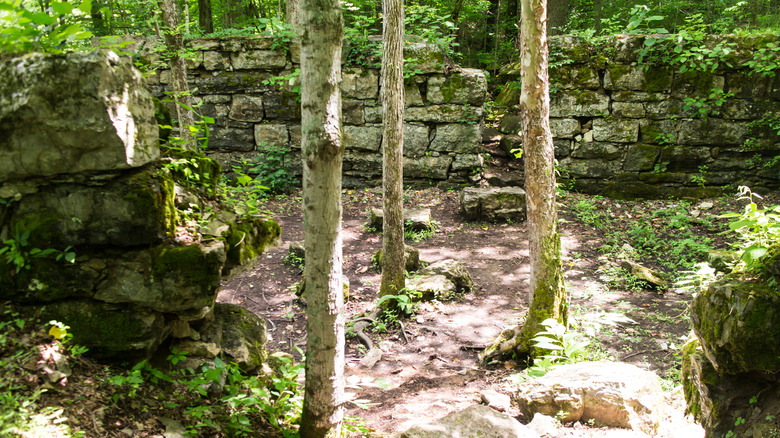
[173, 429]
[371, 358]
[495, 400]
[705, 205]
[544, 426]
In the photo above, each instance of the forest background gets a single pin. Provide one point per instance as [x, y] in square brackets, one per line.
[474, 33]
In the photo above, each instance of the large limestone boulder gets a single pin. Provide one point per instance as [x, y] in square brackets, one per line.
[609, 393]
[492, 203]
[72, 113]
[475, 421]
[239, 333]
[137, 208]
[738, 325]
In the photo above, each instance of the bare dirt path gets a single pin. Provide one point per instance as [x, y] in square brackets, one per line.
[437, 371]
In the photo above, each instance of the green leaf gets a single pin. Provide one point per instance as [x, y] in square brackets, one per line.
[62, 8]
[42, 18]
[743, 223]
[548, 345]
[85, 6]
[753, 253]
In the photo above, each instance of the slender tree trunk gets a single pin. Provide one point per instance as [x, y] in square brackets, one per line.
[205, 17]
[180, 89]
[292, 8]
[547, 292]
[186, 17]
[322, 25]
[98, 21]
[393, 279]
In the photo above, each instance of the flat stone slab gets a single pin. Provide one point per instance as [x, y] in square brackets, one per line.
[414, 218]
[492, 203]
[474, 421]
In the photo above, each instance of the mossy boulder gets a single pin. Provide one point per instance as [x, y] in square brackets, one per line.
[718, 401]
[246, 239]
[238, 333]
[51, 126]
[137, 208]
[738, 324]
[109, 331]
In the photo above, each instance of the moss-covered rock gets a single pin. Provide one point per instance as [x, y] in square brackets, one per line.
[247, 239]
[738, 324]
[134, 209]
[238, 333]
[119, 333]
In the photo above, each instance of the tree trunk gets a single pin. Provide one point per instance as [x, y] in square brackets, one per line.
[292, 9]
[180, 90]
[205, 17]
[322, 153]
[557, 16]
[393, 279]
[547, 292]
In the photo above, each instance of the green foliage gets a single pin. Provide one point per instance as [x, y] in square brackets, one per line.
[401, 305]
[757, 230]
[281, 32]
[243, 401]
[703, 107]
[765, 60]
[434, 26]
[560, 347]
[271, 170]
[295, 260]
[589, 213]
[289, 81]
[53, 29]
[17, 252]
[417, 235]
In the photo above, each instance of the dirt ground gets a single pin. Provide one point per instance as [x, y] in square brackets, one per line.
[437, 371]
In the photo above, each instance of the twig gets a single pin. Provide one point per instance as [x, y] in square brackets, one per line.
[638, 353]
[403, 331]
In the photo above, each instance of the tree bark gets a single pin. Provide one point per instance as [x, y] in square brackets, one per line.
[322, 25]
[393, 279]
[547, 292]
[180, 90]
[205, 17]
[292, 11]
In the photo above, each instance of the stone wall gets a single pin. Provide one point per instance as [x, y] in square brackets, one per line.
[621, 129]
[234, 80]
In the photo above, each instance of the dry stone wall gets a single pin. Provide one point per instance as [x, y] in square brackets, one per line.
[622, 129]
[239, 81]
